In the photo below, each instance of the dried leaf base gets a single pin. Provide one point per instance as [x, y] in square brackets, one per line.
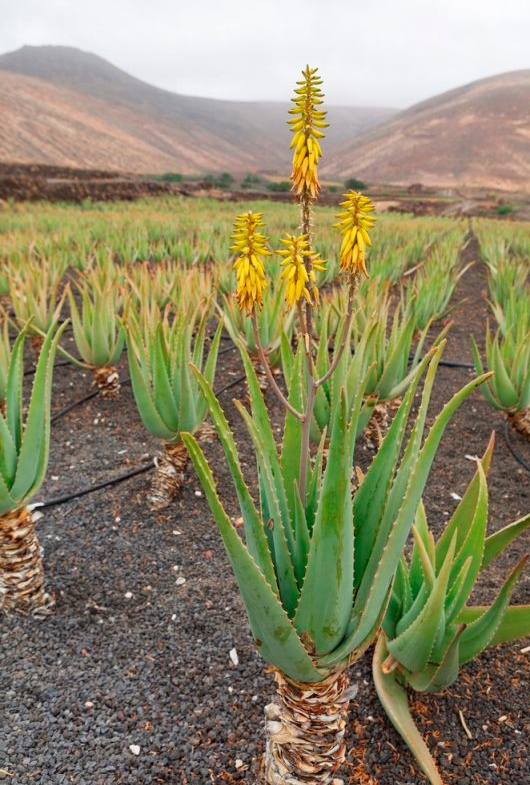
[381, 420]
[107, 380]
[21, 571]
[170, 469]
[36, 342]
[521, 422]
[305, 729]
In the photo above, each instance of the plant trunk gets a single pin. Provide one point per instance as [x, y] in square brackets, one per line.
[305, 729]
[381, 420]
[521, 422]
[170, 469]
[36, 341]
[21, 570]
[107, 380]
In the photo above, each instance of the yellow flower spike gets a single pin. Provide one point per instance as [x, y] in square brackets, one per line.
[354, 223]
[307, 119]
[251, 247]
[300, 264]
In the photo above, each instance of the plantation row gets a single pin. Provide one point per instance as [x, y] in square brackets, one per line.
[336, 320]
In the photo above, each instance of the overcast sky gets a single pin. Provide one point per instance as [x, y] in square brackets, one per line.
[370, 52]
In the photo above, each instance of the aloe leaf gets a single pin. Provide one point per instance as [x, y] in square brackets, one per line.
[325, 602]
[292, 434]
[282, 530]
[496, 543]
[144, 399]
[33, 455]
[472, 547]
[389, 557]
[466, 508]
[514, 624]
[481, 632]
[394, 700]
[272, 630]
[14, 397]
[412, 648]
[162, 393]
[255, 536]
[437, 678]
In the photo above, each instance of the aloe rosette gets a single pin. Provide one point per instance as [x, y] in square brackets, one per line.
[24, 448]
[429, 630]
[97, 332]
[316, 573]
[508, 390]
[166, 391]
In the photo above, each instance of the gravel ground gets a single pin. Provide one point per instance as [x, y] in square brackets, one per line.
[132, 680]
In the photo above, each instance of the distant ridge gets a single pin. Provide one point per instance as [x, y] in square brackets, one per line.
[475, 135]
[60, 105]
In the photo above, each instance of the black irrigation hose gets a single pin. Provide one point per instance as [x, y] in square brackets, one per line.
[60, 364]
[456, 364]
[105, 484]
[512, 449]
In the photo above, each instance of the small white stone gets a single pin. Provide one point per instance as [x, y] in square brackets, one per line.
[128, 595]
[455, 496]
[239, 763]
[89, 704]
[135, 749]
[181, 581]
[176, 532]
[198, 493]
[173, 617]
[234, 657]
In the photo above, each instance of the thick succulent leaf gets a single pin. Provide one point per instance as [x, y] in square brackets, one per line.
[34, 450]
[254, 533]
[480, 633]
[472, 546]
[413, 647]
[292, 434]
[301, 536]
[282, 530]
[380, 580]
[479, 368]
[417, 571]
[394, 700]
[273, 632]
[14, 397]
[437, 678]
[496, 543]
[466, 509]
[370, 499]
[325, 602]
[144, 399]
[515, 623]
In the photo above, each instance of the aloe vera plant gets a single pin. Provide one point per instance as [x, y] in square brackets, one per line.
[167, 393]
[5, 358]
[429, 631]
[508, 390]
[316, 566]
[36, 297]
[24, 447]
[98, 333]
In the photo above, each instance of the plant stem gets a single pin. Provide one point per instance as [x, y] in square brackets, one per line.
[268, 371]
[344, 337]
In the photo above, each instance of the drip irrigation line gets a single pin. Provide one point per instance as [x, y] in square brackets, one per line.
[60, 364]
[96, 487]
[228, 349]
[512, 449]
[456, 364]
[73, 405]
[229, 386]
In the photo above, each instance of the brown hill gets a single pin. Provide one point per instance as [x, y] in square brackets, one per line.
[476, 135]
[62, 106]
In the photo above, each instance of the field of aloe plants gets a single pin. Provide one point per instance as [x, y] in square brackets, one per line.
[313, 419]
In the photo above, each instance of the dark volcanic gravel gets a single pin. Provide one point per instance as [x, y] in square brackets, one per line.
[131, 681]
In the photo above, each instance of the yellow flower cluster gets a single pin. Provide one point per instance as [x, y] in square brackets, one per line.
[300, 264]
[250, 246]
[305, 125]
[354, 223]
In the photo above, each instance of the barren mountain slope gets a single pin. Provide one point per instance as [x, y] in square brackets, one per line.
[155, 130]
[476, 135]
